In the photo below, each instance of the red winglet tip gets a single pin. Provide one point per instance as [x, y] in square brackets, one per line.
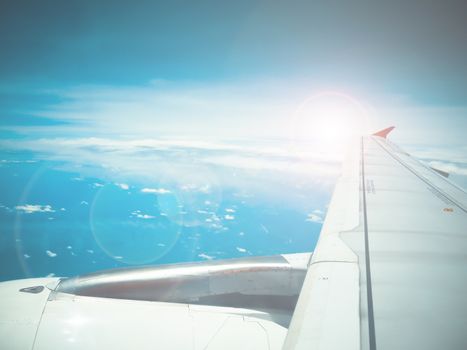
[383, 133]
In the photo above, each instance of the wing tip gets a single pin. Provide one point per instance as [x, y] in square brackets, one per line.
[384, 133]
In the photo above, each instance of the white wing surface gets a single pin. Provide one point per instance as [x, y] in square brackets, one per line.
[244, 303]
[390, 269]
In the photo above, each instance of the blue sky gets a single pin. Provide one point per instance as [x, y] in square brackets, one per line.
[230, 71]
[403, 47]
[242, 106]
[397, 55]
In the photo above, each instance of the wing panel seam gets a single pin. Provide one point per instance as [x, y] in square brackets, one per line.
[371, 318]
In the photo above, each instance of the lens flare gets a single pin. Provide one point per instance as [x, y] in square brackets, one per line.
[328, 121]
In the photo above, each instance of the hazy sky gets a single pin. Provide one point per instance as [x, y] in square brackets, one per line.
[230, 69]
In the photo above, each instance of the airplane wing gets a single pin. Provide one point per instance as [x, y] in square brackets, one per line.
[390, 268]
[244, 303]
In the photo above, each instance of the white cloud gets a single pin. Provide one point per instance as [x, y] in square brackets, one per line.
[51, 254]
[26, 256]
[241, 250]
[123, 186]
[189, 167]
[62, 209]
[218, 227]
[229, 217]
[233, 109]
[179, 107]
[97, 184]
[205, 256]
[138, 214]
[314, 218]
[184, 166]
[145, 216]
[34, 208]
[450, 168]
[84, 203]
[229, 210]
[196, 188]
[8, 161]
[90, 251]
[69, 247]
[5, 207]
[155, 190]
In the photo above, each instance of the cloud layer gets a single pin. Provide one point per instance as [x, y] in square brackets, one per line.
[34, 208]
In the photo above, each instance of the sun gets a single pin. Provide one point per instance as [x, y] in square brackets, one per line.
[328, 121]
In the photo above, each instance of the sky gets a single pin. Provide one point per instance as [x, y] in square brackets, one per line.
[211, 70]
[260, 95]
[246, 58]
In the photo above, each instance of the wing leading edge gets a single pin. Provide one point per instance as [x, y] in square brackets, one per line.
[390, 269]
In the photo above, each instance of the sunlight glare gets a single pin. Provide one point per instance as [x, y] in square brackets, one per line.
[328, 121]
